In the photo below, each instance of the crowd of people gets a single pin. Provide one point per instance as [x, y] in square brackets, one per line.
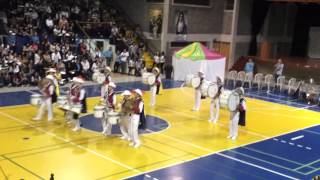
[49, 34]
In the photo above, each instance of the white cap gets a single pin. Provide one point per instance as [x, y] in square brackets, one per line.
[138, 91]
[240, 90]
[201, 74]
[156, 69]
[78, 80]
[126, 93]
[108, 68]
[112, 84]
[51, 70]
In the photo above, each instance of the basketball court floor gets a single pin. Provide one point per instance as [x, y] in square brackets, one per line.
[280, 140]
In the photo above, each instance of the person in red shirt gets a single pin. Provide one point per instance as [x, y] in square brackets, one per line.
[156, 86]
[137, 111]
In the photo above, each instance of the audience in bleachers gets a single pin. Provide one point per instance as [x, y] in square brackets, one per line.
[44, 34]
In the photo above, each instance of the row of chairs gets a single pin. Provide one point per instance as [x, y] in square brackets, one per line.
[268, 81]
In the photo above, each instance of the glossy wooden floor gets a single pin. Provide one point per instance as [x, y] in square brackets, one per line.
[32, 150]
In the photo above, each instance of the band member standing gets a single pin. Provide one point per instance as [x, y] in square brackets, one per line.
[156, 86]
[238, 116]
[215, 102]
[104, 87]
[77, 97]
[198, 92]
[110, 101]
[126, 106]
[46, 88]
[137, 111]
[51, 74]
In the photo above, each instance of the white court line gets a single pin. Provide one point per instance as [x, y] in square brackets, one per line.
[72, 143]
[297, 137]
[257, 166]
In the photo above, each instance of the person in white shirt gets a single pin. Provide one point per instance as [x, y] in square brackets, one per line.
[55, 56]
[215, 102]
[198, 92]
[162, 62]
[156, 59]
[155, 86]
[110, 100]
[46, 88]
[237, 115]
[123, 59]
[137, 112]
[278, 69]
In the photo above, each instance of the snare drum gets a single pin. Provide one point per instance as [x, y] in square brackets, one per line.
[204, 88]
[76, 108]
[233, 101]
[35, 99]
[113, 117]
[145, 77]
[195, 82]
[188, 80]
[62, 100]
[212, 90]
[99, 111]
[224, 99]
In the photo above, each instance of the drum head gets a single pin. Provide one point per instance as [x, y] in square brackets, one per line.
[99, 107]
[35, 95]
[113, 114]
[233, 101]
[195, 82]
[101, 78]
[212, 90]
[151, 79]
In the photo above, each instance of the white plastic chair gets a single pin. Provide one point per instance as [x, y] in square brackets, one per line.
[241, 77]
[248, 79]
[232, 76]
[281, 80]
[258, 79]
[269, 81]
[291, 84]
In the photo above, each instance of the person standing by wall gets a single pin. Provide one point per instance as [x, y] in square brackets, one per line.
[278, 69]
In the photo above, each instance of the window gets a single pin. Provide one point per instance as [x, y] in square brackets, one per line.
[193, 2]
[229, 5]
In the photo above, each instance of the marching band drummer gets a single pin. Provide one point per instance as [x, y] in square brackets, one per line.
[110, 100]
[46, 89]
[155, 88]
[51, 74]
[215, 102]
[104, 87]
[125, 106]
[237, 117]
[77, 96]
[198, 92]
[137, 113]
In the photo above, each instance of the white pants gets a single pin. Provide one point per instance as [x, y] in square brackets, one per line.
[124, 125]
[153, 90]
[133, 129]
[45, 103]
[197, 99]
[234, 120]
[214, 109]
[107, 127]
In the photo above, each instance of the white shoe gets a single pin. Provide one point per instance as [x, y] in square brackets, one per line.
[36, 119]
[128, 139]
[195, 109]
[123, 137]
[136, 145]
[76, 129]
[210, 120]
[50, 119]
[229, 137]
[234, 138]
[131, 144]
[215, 121]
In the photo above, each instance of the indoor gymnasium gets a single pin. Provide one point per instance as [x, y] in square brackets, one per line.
[159, 89]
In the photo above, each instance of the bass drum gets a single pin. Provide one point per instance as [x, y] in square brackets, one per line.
[233, 101]
[145, 77]
[212, 90]
[204, 88]
[35, 99]
[195, 82]
[224, 99]
[188, 80]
